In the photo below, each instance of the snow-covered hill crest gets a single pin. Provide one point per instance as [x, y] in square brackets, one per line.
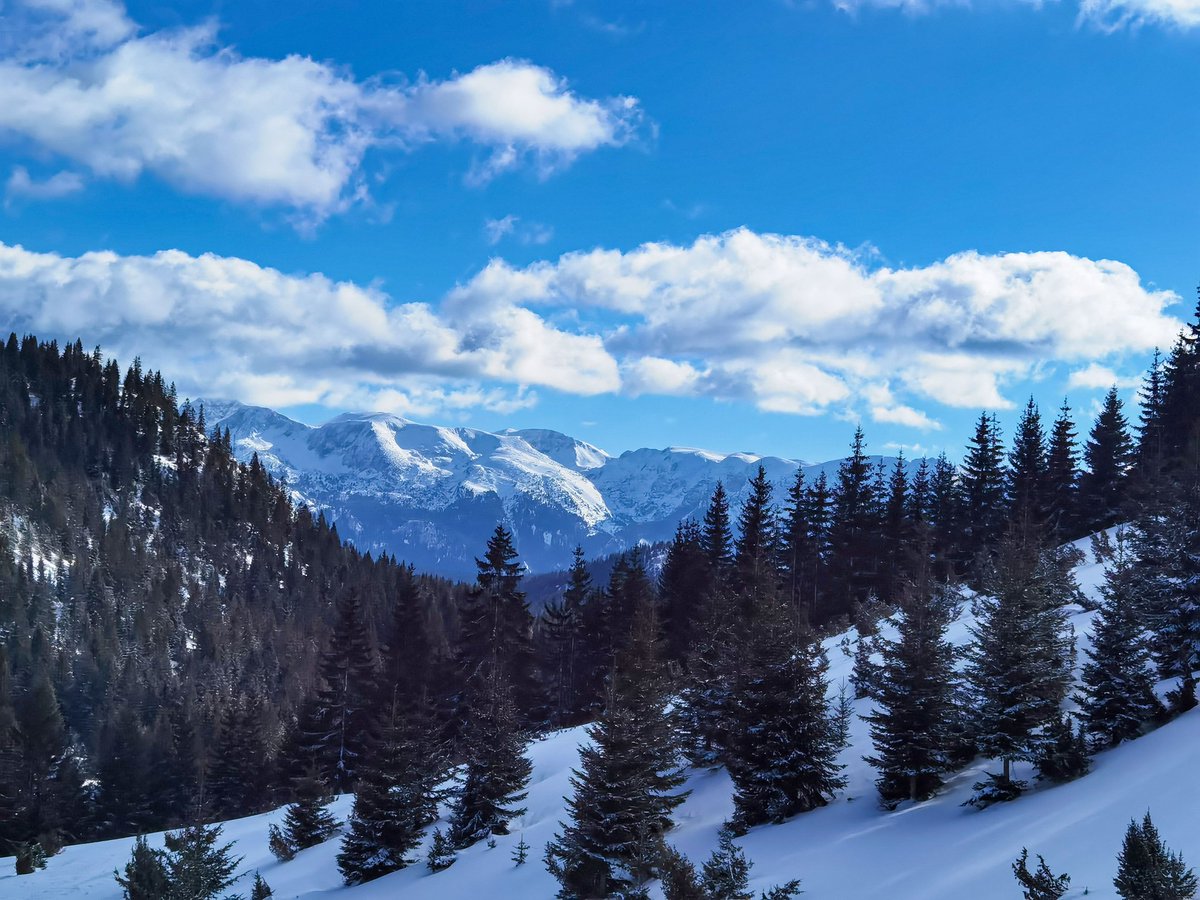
[430, 494]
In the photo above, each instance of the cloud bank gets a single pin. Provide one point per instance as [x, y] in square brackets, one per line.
[788, 324]
[80, 81]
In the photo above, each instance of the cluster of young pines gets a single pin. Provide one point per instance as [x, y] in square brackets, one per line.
[172, 627]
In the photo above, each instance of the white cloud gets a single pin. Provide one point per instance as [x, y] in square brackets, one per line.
[21, 184]
[78, 81]
[1112, 15]
[788, 324]
[1097, 377]
[510, 226]
[797, 325]
[224, 326]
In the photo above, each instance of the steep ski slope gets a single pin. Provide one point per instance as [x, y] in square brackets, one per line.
[431, 494]
[937, 850]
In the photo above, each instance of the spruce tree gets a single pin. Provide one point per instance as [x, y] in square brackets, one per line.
[307, 822]
[627, 783]
[783, 742]
[260, 890]
[496, 769]
[1151, 446]
[983, 489]
[1020, 658]
[497, 632]
[1062, 476]
[681, 588]
[1118, 684]
[717, 539]
[912, 724]
[394, 801]
[855, 545]
[145, 875]
[1108, 456]
[1028, 466]
[1148, 870]
[198, 867]
[562, 625]
[755, 567]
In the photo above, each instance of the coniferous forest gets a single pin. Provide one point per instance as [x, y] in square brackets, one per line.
[173, 626]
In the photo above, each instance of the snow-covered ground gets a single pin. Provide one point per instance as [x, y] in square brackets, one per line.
[936, 850]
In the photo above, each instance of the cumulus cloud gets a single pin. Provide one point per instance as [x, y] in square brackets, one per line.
[794, 324]
[788, 324]
[79, 81]
[1097, 377]
[225, 326]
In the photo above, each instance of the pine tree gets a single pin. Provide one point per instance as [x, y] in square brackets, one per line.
[562, 622]
[308, 822]
[1028, 466]
[1108, 456]
[233, 787]
[497, 631]
[395, 800]
[627, 783]
[681, 588]
[442, 854]
[145, 875]
[1181, 396]
[1063, 751]
[983, 480]
[496, 767]
[756, 572]
[717, 540]
[911, 727]
[1019, 662]
[1151, 445]
[1148, 870]
[260, 890]
[854, 536]
[1118, 685]
[783, 742]
[198, 868]
[726, 874]
[1062, 476]
[520, 853]
[944, 515]
[1041, 884]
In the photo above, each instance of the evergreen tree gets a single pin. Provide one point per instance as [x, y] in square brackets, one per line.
[496, 767]
[1148, 870]
[1062, 476]
[1028, 466]
[562, 623]
[854, 536]
[260, 890]
[911, 727]
[944, 515]
[1151, 443]
[394, 801]
[627, 783]
[198, 868]
[442, 854]
[756, 572]
[233, 787]
[1180, 416]
[1108, 455]
[1041, 884]
[1118, 685]
[983, 488]
[145, 875]
[307, 822]
[1063, 751]
[1019, 663]
[898, 530]
[783, 742]
[717, 540]
[682, 586]
[497, 633]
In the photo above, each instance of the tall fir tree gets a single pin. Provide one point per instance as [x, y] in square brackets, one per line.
[1060, 500]
[1148, 870]
[682, 585]
[912, 725]
[1020, 659]
[395, 799]
[1117, 699]
[627, 783]
[756, 570]
[496, 770]
[1108, 456]
[1028, 466]
[562, 630]
[717, 540]
[783, 747]
[854, 539]
[983, 489]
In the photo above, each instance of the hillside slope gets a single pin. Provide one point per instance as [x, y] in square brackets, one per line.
[936, 850]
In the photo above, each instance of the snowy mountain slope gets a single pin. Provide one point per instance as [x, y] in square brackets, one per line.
[431, 494]
[850, 850]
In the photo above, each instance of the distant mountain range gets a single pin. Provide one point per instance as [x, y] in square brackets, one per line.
[431, 494]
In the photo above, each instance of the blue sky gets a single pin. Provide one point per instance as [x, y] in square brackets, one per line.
[742, 226]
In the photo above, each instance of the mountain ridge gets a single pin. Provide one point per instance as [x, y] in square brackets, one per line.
[429, 494]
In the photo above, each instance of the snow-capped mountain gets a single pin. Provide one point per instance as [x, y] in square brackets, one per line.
[431, 494]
